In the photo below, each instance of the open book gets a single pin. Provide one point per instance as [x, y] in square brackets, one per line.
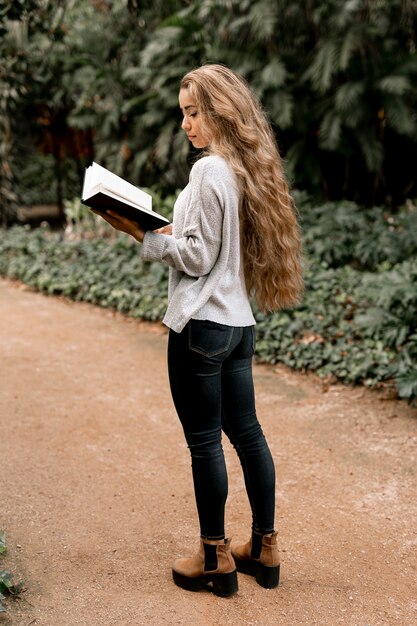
[104, 190]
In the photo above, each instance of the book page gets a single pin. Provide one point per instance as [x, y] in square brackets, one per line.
[96, 174]
[88, 182]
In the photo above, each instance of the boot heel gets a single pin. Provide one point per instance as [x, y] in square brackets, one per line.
[267, 577]
[225, 585]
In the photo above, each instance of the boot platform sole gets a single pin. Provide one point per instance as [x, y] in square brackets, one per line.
[223, 585]
[267, 577]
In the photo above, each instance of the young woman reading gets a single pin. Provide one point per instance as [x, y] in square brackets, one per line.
[234, 234]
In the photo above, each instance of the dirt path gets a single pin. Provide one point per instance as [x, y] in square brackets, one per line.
[96, 496]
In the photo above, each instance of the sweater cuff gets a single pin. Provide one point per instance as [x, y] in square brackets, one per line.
[153, 246]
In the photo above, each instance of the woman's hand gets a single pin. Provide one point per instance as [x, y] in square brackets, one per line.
[165, 230]
[123, 224]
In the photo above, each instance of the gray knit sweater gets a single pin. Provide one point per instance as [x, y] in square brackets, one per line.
[206, 280]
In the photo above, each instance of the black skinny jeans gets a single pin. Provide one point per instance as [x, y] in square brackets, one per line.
[210, 372]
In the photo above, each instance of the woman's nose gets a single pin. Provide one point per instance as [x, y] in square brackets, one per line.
[185, 123]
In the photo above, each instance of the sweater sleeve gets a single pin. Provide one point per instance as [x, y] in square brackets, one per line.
[195, 250]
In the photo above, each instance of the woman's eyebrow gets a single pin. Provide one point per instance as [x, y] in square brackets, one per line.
[189, 106]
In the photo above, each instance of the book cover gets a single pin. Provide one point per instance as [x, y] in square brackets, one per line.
[103, 190]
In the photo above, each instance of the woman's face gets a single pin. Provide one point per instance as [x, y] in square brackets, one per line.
[191, 122]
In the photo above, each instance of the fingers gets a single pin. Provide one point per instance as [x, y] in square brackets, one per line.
[117, 217]
[165, 230]
[110, 217]
[123, 224]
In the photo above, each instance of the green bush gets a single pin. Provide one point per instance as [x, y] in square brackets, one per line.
[353, 325]
[343, 233]
[106, 272]
[356, 327]
[7, 586]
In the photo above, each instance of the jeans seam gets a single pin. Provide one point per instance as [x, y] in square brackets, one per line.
[248, 483]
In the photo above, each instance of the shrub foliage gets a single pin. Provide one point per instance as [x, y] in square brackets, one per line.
[357, 321]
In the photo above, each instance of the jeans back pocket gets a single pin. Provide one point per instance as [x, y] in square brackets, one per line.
[209, 338]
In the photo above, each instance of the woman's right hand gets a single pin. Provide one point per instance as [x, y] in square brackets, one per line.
[165, 230]
[123, 224]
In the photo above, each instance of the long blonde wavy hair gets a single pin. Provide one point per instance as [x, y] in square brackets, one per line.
[238, 130]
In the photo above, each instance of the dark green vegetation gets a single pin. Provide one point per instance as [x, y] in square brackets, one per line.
[7, 587]
[99, 78]
[357, 321]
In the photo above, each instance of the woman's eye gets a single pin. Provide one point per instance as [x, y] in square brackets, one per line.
[193, 114]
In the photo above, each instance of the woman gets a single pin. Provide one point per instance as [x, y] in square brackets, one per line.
[234, 233]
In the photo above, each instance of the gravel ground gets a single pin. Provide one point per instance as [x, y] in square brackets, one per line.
[96, 494]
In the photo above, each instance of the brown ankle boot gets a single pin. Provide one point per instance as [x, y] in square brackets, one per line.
[213, 564]
[260, 558]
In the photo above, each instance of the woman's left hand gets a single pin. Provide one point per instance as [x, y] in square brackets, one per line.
[123, 224]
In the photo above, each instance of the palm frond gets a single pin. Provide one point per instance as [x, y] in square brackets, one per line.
[164, 142]
[281, 108]
[344, 14]
[263, 17]
[400, 116]
[352, 42]
[160, 45]
[395, 84]
[330, 131]
[372, 150]
[255, 22]
[349, 96]
[324, 65]
[274, 73]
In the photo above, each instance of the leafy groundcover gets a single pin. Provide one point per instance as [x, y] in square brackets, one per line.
[7, 586]
[357, 322]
